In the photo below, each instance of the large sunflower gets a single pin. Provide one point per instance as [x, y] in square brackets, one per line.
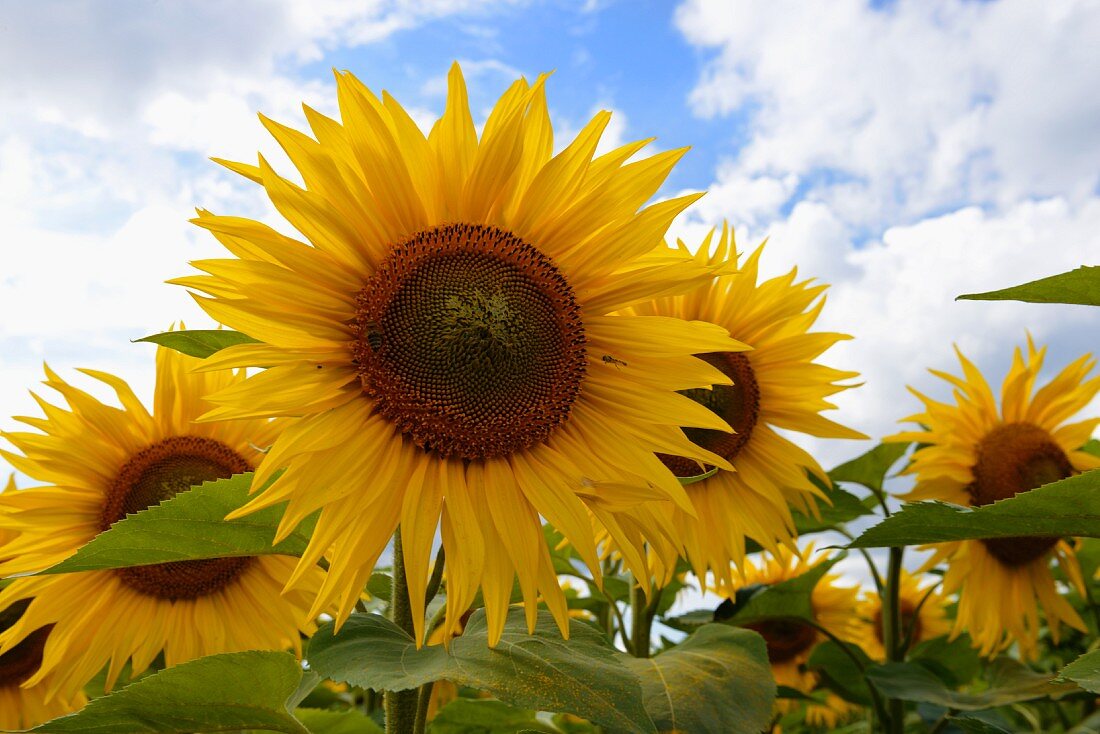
[974, 455]
[103, 463]
[791, 642]
[776, 385]
[26, 707]
[923, 615]
[447, 337]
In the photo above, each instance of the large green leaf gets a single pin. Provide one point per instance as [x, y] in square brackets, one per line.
[840, 672]
[716, 681]
[870, 469]
[1009, 682]
[199, 343]
[1084, 671]
[583, 675]
[321, 721]
[839, 507]
[788, 599]
[485, 716]
[189, 526]
[1070, 507]
[233, 691]
[1080, 286]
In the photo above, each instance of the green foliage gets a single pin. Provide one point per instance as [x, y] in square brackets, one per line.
[199, 343]
[841, 673]
[320, 721]
[1080, 286]
[1070, 507]
[1084, 671]
[840, 506]
[471, 716]
[870, 469]
[583, 675]
[242, 690]
[190, 526]
[1008, 682]
[956, 662]
[788, 599]
[716, 681]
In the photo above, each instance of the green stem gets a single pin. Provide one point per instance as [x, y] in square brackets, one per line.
[875, 576]
[891, 635]
[437, 577]
[640, 622]
[400, 705]
[424, 698]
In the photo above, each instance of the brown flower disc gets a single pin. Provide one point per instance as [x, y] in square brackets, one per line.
[159, 473]
[1014, 458]
[738, 404]
[470, 341]
[785, 638]
[20, 663]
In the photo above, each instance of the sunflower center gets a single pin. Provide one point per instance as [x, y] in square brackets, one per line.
[910, 620]
[20, 663]
[159, 473]
[1014, 458]
[470, 341]
[738, 404]
[785, 638]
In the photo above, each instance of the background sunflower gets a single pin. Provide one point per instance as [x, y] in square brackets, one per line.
[101, 463]
[974, 454]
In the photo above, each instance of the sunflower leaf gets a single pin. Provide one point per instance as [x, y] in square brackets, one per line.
[870, 469]
[1008, 682]
[583, 675]
[788, 599]
[465, 716]
[841, 673]
[1084, 671]
[199, 343]
[1080, 286]
[232, 691]
[717, 680]
[840, 507]
[190, 526]
[1070, 507]
[322, 721]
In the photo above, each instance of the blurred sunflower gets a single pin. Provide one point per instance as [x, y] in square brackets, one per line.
[775, 385]
[447, 337]
[26, 707]
[103, 463]
[790, 642]
[923, 615]
[974, 455]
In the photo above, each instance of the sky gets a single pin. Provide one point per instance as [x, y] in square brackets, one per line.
[903, 152]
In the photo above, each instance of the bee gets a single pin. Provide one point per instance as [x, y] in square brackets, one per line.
[608, 359]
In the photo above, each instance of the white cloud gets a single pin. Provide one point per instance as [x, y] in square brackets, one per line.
[916, 107]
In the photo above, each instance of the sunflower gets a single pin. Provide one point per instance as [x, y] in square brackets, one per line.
[102, 463]
[26, 707]
[776, 385]
[974, 455]
[923, 615]
[791, 642]
[447, 336]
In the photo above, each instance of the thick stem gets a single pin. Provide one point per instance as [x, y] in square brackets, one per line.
[424, 698]
[400, 705]
[639, 622]
[891, 635]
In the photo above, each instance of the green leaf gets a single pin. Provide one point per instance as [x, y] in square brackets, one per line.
[240, 690]
[870, 469]
[583, 675]
[955, 661]
[190, 526]
[840, 672]
[690, 621]
[1084, 671]
[1070, 507]
[1009, 682]
[841, 507]
[970, 725]
[717, 680]
[320, 721]
[788, 599]
[1092, 446]
[199, 343]
[698, 477]
[469, 716]
[1080, 286]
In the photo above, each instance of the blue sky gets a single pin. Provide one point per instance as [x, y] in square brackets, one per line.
[904, 152]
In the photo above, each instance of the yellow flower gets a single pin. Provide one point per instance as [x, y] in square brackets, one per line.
[447, 337]
[790, 642]
[923, 616]
[975, 455]
[776, 385]
[102, 463]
